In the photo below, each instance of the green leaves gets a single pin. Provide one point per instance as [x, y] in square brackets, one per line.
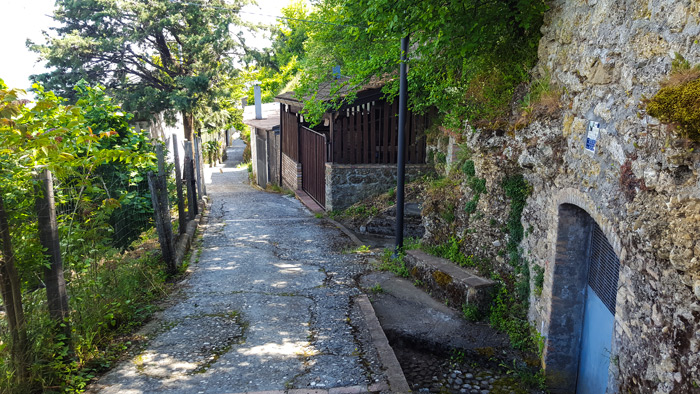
[465, 57]
[153, 56]
[87, 146]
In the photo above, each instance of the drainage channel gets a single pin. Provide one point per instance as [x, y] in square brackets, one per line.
[439, 371]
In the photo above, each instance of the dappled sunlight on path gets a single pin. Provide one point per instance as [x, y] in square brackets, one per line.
[266, 306]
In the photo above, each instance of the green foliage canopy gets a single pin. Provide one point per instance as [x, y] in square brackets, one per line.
[466, 56]
[277, 67]
[153, 56]
[98, 162]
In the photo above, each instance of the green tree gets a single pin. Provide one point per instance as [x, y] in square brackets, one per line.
[466, 56]
[153, 56]
[221, 110]
[90, 149]
[98, 162]
[277, 67]
[10, 286]
[290, 34]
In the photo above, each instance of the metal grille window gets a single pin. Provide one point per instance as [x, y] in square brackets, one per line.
[604, 269]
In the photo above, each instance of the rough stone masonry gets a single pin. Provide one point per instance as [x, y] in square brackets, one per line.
[640, 183]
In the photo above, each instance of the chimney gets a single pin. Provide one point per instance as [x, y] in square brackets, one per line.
[258, 100]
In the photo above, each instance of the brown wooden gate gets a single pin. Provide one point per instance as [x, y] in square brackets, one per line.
[312, 149]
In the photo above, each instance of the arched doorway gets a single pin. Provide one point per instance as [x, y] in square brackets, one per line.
[584, 291]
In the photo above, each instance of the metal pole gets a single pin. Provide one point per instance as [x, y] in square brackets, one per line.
[401, 160]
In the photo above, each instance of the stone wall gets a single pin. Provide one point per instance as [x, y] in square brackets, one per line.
[640, 184]
[347, 184]
[291, 173]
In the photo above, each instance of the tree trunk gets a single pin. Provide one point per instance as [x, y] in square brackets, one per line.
[53, 274]
[181, 215]
[12, 298]
[188, 124]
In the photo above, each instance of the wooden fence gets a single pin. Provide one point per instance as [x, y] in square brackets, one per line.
[368, 133]
[289, 123]
[365, 133]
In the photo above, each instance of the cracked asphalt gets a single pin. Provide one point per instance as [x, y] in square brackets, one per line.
[268, 306]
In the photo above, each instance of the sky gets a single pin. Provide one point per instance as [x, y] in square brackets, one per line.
[26, 19]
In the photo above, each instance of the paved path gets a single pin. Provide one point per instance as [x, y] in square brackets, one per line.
[269, 306]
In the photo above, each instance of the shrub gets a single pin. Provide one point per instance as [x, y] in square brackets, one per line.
[678, 101]
[468, 168]
[679, 105]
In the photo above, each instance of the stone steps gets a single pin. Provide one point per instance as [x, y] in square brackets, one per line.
[447, 281]
[385, 222]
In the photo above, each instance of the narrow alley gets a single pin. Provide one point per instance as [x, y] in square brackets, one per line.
[269, 305]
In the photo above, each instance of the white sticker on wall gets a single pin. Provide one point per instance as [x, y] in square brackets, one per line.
[592, 137]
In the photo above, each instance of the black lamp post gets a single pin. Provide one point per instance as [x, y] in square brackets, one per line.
[401, 159]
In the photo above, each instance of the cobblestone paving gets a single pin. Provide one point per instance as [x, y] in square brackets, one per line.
[428, 373]
[268, 306]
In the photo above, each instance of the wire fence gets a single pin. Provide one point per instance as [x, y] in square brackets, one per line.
[110, 212]
[105, 211]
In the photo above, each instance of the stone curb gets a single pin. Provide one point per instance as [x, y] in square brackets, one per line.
[394, 373]
[347, 232]
[373, 388]
[397, 380]
[184, 241]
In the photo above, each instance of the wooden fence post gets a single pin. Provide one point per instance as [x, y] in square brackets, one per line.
[12, 299]
[48, 235]
[161, 211]
[201, 167]
[161, 159]
[190, 182]
[198, 165]
[181, 215]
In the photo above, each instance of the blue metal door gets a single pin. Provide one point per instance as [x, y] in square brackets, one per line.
[595, 346]
[599, 316]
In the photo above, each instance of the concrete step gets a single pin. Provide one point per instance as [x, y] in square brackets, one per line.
[411, 318]
[447, 281]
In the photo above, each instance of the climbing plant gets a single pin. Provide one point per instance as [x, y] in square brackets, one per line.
[517, 190]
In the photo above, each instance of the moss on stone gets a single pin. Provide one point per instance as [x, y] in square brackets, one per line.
[678, 101]
[441, 278]
[486, 351]
[508, 385]
[415, 272]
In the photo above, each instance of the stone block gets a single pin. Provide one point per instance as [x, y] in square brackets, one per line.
[348, 390]
[448, 281]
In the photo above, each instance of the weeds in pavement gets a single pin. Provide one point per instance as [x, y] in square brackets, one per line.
[377, 289]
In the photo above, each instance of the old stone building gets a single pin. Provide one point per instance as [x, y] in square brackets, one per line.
[613, 217]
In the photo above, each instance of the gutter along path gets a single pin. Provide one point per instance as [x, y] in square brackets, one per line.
[271, 305]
